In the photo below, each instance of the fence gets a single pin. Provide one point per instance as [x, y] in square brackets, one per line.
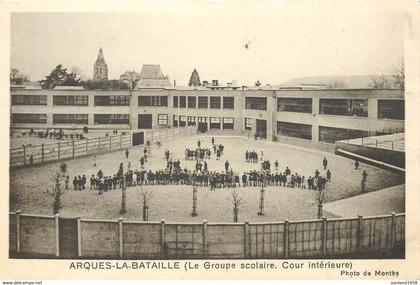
[35, 154]
[379, 142]
[57, 237]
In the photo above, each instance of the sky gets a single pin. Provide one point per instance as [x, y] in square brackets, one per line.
[285, 41]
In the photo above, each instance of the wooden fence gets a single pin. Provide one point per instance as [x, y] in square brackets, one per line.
[59, 237]
[35, 154]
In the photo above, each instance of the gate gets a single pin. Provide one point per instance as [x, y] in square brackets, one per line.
[138, 138]
[68, 237]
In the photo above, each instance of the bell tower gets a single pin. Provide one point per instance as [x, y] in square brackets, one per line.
[100, 69]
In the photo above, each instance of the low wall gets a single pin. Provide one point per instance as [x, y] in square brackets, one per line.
[35, 236]
[395, 158]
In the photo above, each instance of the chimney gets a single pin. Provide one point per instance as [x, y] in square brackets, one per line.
[174, 82]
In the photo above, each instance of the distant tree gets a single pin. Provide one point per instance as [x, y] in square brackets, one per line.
[396, 80]
[194, 79]
[258, 83]
[16, 77]
[60, 77]
[145, 196]
[399, 77]
[105, 85]
[236, 201]
[337, 84]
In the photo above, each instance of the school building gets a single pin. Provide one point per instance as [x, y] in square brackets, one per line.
[317, 115]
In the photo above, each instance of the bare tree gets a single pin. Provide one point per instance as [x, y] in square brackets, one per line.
[236, 201]
[320, 197]
[56, 190]
[399, 77]
[381, 82]
[145, 196]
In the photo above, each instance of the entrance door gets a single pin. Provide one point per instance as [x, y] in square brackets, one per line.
[202, 124]
[138, 138]
[145, 121]
[262, 128]
[68, 237]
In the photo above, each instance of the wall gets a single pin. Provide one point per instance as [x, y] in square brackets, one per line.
[41, 236]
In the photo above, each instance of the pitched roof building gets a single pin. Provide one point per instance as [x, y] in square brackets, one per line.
[151, 76]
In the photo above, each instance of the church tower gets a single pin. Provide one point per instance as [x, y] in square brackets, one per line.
[100, 69]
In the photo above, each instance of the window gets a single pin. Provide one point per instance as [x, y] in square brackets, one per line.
[256, 103]
[29, 118]
[228, 103]
[294, 130]
[29, 100]
[182, 102]
[175, 101]
[70, 100]
[191, 121]
[192, 102]
[228, 123]
[153, 101]
[215, 102]
[111, 119]
[203, 119]
[215, 123]
[299, 105]
[77, 119]
[182, 121]
[344, 107]
[391, 109]
[248, 124]
[203, 102]
[175, 124]
[162, 119]
[331, 135]
[122, 100]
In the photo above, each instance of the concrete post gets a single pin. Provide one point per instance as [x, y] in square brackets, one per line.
[110, 143]
[246, 240]
[18, 230]
[162, 239]
[42, 152]
[324, 236]
[286, 239]
[205, 245]
[72, 145]
[57, 235]
[79, 238]
[58, 150]
[393, 229]
[359, 233]
[120, 237]
[87, 146]
[24, 155]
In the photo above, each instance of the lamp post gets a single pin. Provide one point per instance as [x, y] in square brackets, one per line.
[262, 191]
[194, 206]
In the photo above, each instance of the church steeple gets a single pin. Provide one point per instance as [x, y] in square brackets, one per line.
[100, 69]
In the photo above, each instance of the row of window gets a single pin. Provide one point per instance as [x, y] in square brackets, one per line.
[70, 118]
[387, 109]
[216, 123]
[203, 102]
[326, 134]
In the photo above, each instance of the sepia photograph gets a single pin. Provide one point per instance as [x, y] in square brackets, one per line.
[225, 131]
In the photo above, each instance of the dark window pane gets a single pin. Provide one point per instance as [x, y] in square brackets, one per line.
[294, 130]
[391, 109]
[299, 105]
[256, 103]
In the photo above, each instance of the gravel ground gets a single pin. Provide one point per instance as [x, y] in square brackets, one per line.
[174, 203]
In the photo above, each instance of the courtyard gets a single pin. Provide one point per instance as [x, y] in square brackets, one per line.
[174, 203]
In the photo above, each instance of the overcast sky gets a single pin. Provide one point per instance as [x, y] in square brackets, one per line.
[284, 42]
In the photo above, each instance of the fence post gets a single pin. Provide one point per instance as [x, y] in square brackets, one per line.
[98, 143]
[205, 245]
[58, 150]
[87, 146]
[18, 230]
[162, 239]
[286, 239]
[24, 155]
[392, 145]
[57, 235]
[359, 233]
[110, 143]
[376, 143]
[120, 141]
[120, 237]
[42, 152]
[324, 236]
[246, 239]
[393, 229]
[79, 238]
[72, 144]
